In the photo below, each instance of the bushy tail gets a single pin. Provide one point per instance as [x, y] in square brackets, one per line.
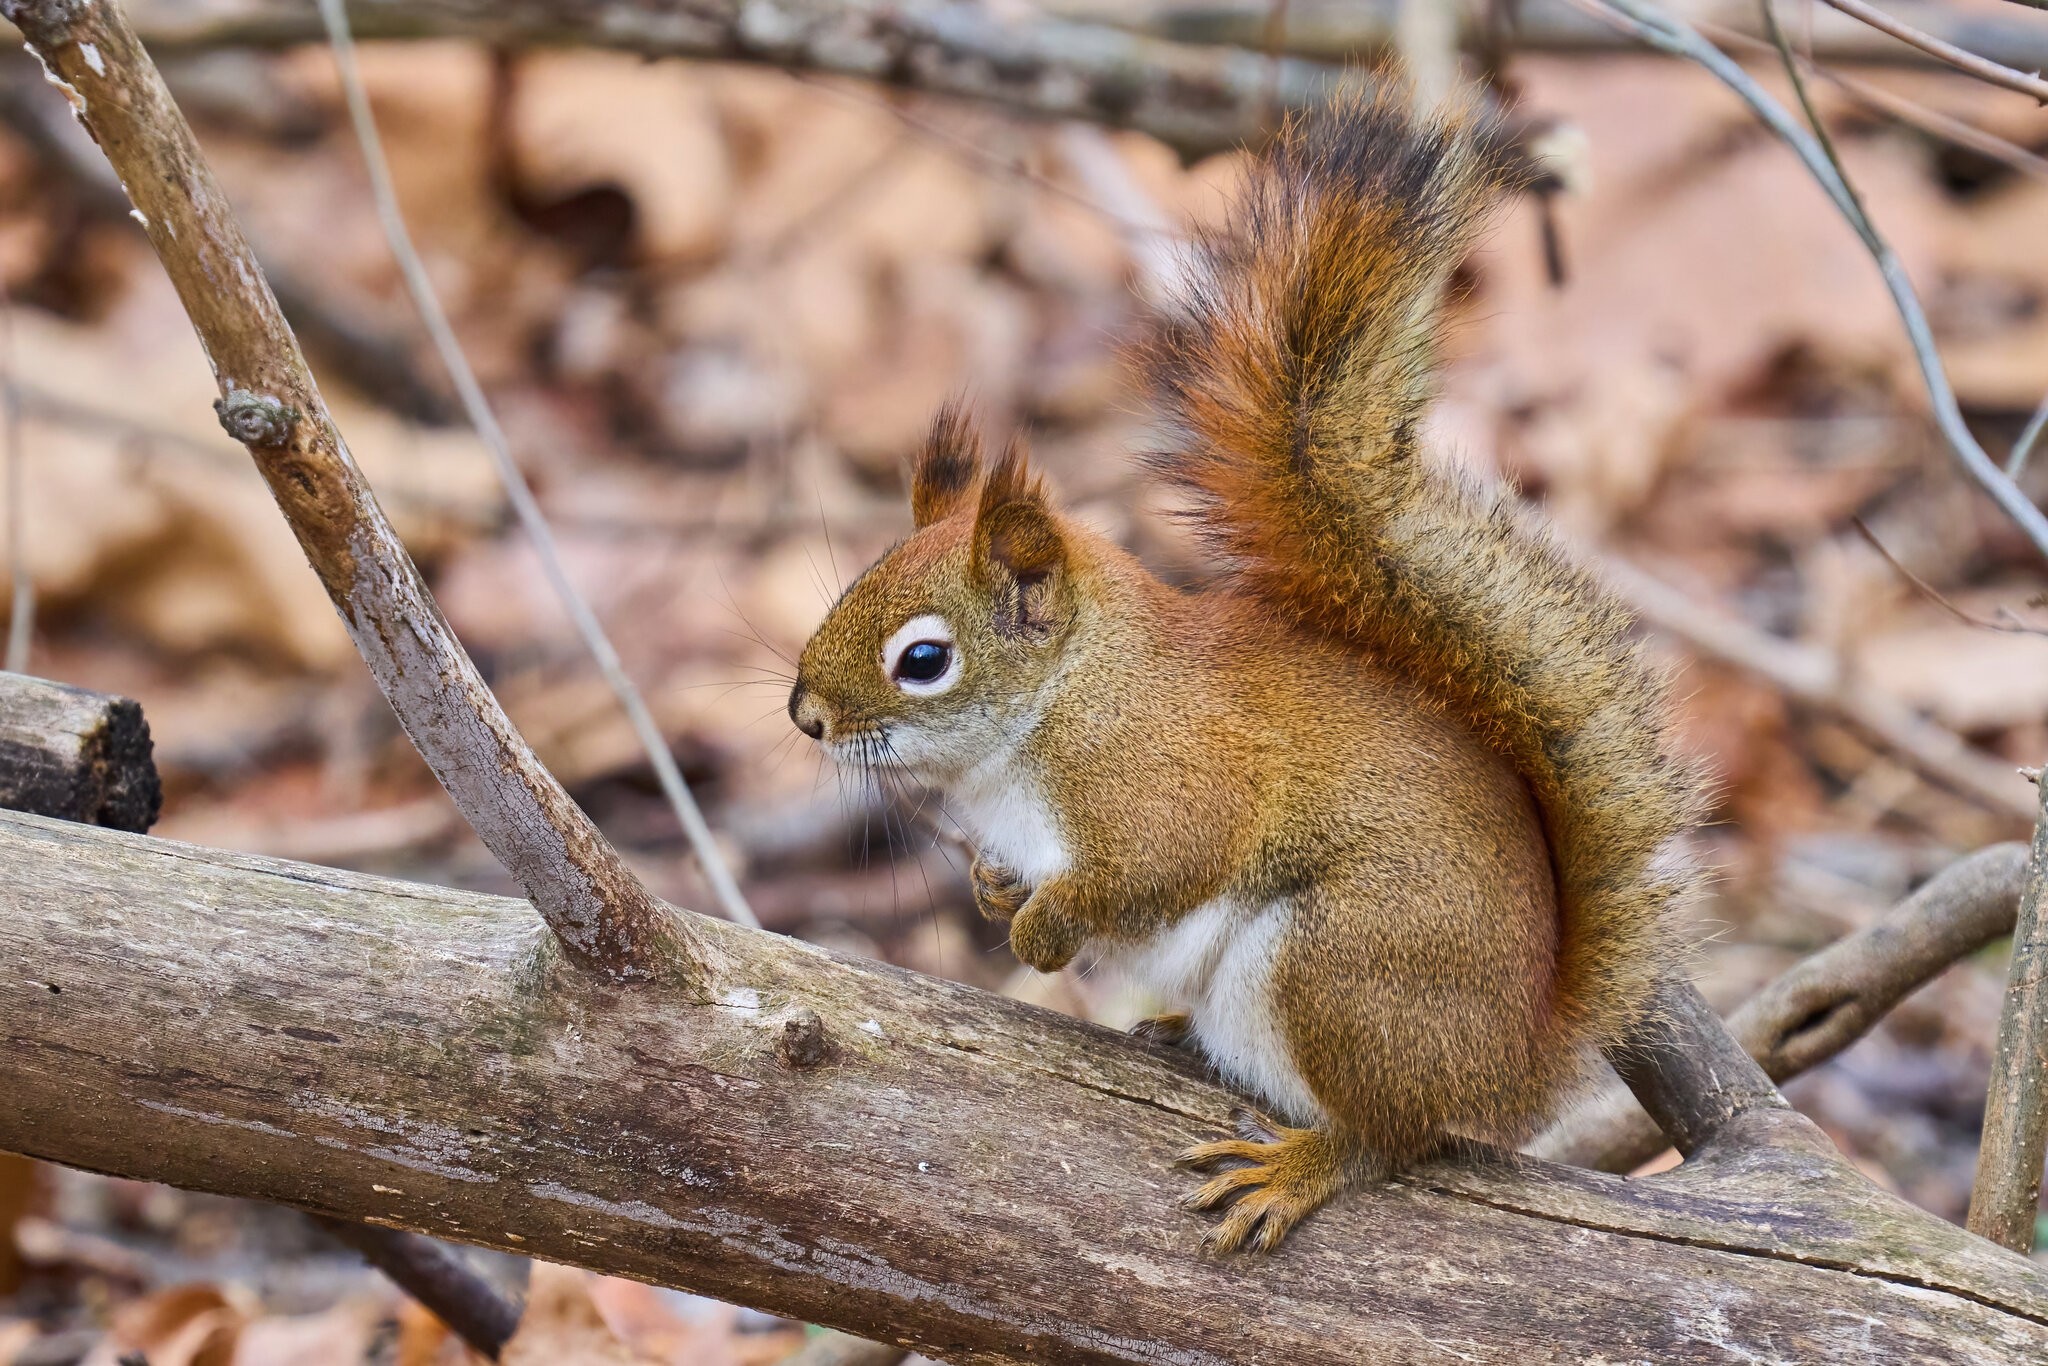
[1298, 375]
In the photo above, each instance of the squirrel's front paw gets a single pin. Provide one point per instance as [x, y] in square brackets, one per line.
[1044, 938]
[998, 893]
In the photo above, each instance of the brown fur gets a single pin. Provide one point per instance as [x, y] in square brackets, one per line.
[1405, 717]
[1298, 379]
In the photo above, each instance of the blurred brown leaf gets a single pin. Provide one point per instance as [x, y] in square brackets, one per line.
[562, 1325]
[187, 1325]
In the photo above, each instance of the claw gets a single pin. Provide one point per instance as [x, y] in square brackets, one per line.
[1271, 1179]
[1205, 1157]
[1219, 1191]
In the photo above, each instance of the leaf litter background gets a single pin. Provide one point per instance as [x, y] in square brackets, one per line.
[716, 306]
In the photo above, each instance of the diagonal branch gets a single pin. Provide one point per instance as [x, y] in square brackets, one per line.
[600, 913]
[1970, 63]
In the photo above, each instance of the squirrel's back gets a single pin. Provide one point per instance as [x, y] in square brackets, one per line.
[1297, 375]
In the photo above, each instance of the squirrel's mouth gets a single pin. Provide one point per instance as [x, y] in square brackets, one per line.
[863, 745]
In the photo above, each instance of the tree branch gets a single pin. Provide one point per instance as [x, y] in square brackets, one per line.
[2005, 1201]
[602, 916]
[76, 755]
[1339, 30]
[1823, 1003]
[1967, 62]
[1690, 1075]
[376, 363]
[83, 756]
[438, 1278]
[1196, 99]
[846, 1143]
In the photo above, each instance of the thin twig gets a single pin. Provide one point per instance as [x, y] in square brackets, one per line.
[1970, 63]
[1339, 30]
[2016, 463]
[2005, 1200]
[1814, 122]
[1825, 1002]
[21, 596]
[1667, 34]
[1934, 595]
[1913, 113]
[602, 916]
[723, 885]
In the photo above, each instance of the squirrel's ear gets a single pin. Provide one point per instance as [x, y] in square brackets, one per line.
[943, 472]
[1019, 554]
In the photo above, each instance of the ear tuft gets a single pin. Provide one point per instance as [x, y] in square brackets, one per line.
[1014, 521]
[943, 472]
[1018, 547]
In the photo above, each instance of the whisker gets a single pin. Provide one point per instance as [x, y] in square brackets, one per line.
[826, 527]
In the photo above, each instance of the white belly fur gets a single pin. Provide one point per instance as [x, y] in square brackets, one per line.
[1009, 821]
[1217, 965]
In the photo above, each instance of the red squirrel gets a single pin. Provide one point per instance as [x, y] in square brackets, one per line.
[1390, 810]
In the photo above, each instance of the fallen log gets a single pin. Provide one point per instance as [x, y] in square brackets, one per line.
[851, 1144]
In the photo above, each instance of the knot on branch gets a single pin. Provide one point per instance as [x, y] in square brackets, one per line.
[31, 16]
[256, 419]
[802, 1042]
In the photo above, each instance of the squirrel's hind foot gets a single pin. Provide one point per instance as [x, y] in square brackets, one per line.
[1273, 1178]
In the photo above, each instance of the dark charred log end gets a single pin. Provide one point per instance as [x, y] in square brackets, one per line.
[123, 755]
[802, 1042]
[257, 419]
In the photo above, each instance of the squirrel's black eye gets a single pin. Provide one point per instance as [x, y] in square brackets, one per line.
[923, 662]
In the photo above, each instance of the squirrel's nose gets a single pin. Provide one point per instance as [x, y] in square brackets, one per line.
[805, 713]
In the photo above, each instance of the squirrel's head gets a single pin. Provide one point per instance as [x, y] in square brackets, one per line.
[937, 655]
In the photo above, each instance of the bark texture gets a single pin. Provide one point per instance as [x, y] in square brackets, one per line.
[77, 755]
[2005, 1201]
[989, 1181]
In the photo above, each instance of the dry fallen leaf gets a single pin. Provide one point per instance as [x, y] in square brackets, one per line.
[15, 1334]
[187, 1325]
[562, 1325]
